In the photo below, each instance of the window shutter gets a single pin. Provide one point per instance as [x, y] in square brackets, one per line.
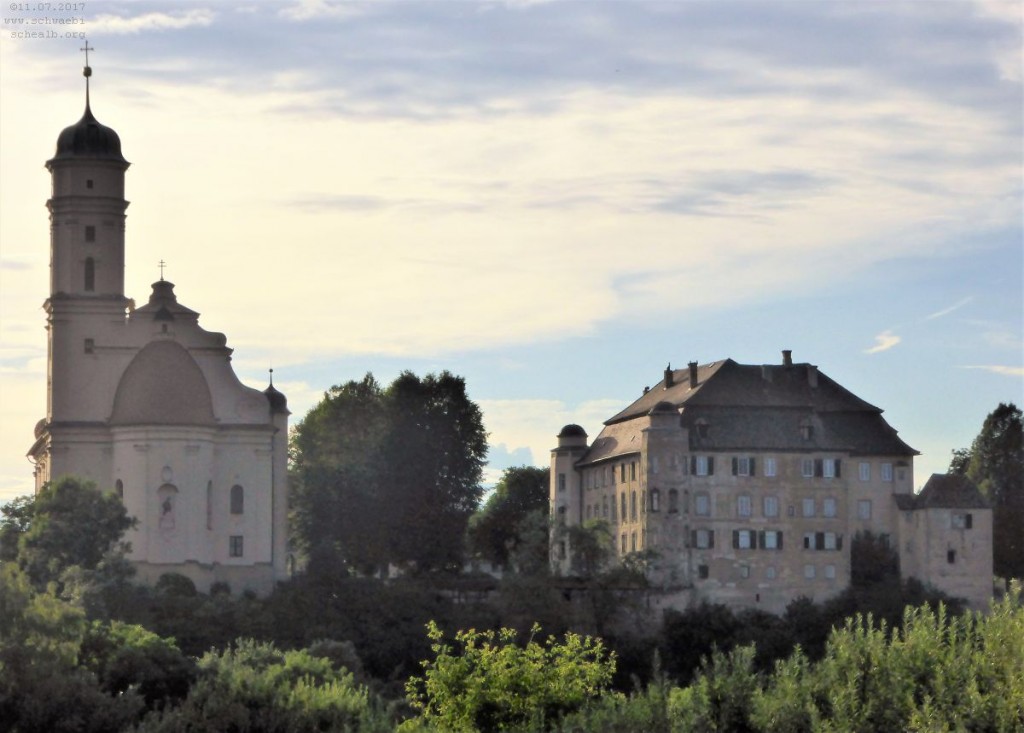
[735, 539]
[778, 543]
[753, 540]
[711, 538]
[735, 466]
[693, 538]
[838, 471]
[819, 540]
[819, 469]
[839, 542]
[693, 465]
[753, 467]
[760, 538]
[711, 465]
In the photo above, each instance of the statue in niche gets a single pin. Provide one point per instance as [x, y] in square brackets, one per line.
[167, 517]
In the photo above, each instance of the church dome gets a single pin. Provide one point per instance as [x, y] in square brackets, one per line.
[163, 385]
[87, 138]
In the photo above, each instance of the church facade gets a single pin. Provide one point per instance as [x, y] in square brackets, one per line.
[746, 485]
[144, 401]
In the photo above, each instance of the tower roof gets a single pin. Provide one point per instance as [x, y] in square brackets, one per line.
[87, 138]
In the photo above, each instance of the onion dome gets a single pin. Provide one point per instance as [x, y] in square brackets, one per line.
[87, 138]
[278, 402]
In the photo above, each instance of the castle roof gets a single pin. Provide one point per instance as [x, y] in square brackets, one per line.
[949, 491]
[787, 407]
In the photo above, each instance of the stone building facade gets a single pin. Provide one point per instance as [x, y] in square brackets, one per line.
[746, 484]
[144, 401]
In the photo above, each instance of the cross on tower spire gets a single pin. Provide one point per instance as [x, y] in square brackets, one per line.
[162, 266]
[87, 71]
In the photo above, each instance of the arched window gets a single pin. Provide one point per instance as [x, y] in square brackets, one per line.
[119, 488]
[90, 274]
[237, 499]
[632, 506]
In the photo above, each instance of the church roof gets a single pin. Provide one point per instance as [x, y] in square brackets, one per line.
[787, 407]
[163, 385]
[87, 138]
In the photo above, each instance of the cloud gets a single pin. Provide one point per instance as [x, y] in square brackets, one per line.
[883, 342]
[1009, 371]
[946, 311]
[121, 25]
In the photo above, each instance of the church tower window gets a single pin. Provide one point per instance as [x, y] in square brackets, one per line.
[90, 233]
[90, 274]
[235, 547]
[237, 499]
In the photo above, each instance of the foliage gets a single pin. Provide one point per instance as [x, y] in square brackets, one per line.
[590, 545]
[872, 560]
[995, 462]
[16, 519]
[72, 524]
[494, 530]
[253, 686]
[389, 475]
[492, 683]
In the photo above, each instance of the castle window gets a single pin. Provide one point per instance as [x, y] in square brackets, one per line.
[901, 473]
[90, 274]
[623, 506]
[769, 572]
[744, 539]
[864, 509]
[673, 500]
[704, 539]
[806, 430]
[561, 515]
[809, 572]
[865, 471]
[808, 507]
[237, 499]
[743, 506]
[702, 465]
[90, 233]
[830, 572]
[743, 466]
[828, 508]
[771, 539]
[744, 571]
[963, 521]
[614, 517]
[89, 346]
[604, 507]
[623, 543]
[235, 547]
[88, 183]
[655, 500]
[771, 506]
[887, 472]
[831, 467]
[702, 428]
[807, 468]
[770, 467]
[702, 504]
[951, 556]
[632, 506]
[632, 471]
[561, 482]
[702, 572]
[622, 473]
[632, 542]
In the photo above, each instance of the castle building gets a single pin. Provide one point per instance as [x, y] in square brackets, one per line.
[144, 401]
[746, 484]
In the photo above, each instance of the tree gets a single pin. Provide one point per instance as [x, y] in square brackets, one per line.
[388, 475]
[995, 462]
[17, 518]
[494, 531]
[492, 683]
[71, 524]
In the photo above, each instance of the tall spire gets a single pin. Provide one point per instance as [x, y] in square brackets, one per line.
[87, 71]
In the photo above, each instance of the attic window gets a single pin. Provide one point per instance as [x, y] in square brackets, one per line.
[702, 428]
[806, 430]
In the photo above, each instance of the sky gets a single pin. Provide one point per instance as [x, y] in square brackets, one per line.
[553, 200]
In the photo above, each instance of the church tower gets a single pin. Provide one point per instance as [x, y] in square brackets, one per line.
[144, 401]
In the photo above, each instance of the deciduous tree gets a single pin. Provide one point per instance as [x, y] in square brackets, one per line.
[495, 530]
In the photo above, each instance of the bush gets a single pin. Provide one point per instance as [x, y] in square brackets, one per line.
[492, 683]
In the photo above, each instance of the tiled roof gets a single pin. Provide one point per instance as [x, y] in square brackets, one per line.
[950, 491]
[755, 407]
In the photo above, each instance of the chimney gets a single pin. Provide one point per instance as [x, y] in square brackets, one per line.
[787, 357]
[693, 374]
[812, 375]
[647, 389]
[669, 381]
